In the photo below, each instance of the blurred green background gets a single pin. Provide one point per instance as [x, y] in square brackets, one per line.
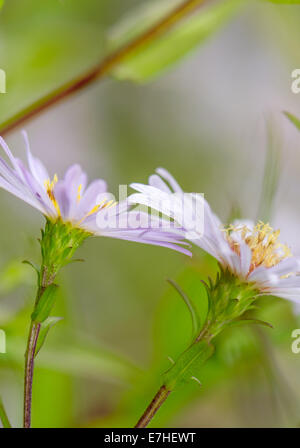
[210, 121]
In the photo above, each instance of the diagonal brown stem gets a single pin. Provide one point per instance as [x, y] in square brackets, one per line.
[153, 407]
[103, 68]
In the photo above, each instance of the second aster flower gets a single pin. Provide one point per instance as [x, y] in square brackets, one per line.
[251, 252]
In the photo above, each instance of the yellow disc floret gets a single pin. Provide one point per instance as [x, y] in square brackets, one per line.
[263, 241]
[49, 186]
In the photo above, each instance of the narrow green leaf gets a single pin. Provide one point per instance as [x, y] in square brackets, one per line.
[45, 304]
[153, 58]
[189, 364]
[196, 320]
[251, 321]
[45, 327]
[34, 267]
[293, 119]
[3, 416]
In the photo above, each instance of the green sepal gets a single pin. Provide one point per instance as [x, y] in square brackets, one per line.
[44, 330]
[196, 319]
[45, 304]
[59, 242]
[243, 321]
[188, 364]
[34, 267]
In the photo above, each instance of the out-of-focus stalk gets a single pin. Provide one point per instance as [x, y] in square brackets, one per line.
[104, 67]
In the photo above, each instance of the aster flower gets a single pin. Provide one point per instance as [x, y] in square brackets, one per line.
[252, 262]
[73, 211]
[90, 208]
[251, 252]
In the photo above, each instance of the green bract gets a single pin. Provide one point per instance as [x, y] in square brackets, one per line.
[229, 298]
[59, 242]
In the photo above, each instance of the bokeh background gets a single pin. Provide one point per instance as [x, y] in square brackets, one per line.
[215, 121]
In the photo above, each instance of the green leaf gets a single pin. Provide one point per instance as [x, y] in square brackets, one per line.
[45, 304]
[189, 364]
[1, 4]
[3, 416]
[158, 55]
[293, 119]
[45, 327]
[196, 320]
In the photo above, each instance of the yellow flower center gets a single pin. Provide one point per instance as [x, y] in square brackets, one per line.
[49, 186]
[263, 241]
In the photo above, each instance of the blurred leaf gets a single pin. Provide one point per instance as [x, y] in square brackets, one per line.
[1, 4]
[13, 275]
[284, 2]
[271, 175]
[36, 61]
[53, 400]
[293, 119]
[161, 53]
[45, 327]
[3, 415]
[80, 359]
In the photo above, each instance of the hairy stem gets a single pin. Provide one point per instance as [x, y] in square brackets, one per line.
[104, 67]
[29, 369]
[33, 336]
[3, 416]
[153, 407]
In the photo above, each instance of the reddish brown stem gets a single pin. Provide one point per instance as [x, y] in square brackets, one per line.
[104, 67]
[153, 407]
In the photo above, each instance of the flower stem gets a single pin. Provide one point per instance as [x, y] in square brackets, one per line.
[104, 67]
[153, 407]
[3, 416]
[29, 368]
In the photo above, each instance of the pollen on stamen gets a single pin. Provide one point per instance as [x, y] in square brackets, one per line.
[103, 204]
[263, 241]
[49, 189]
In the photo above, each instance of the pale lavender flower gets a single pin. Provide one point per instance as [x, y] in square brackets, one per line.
[251, 252]
[89, 207]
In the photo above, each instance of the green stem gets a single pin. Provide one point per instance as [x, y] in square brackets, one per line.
[153, 407]
[103, 68]
[3, 416]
